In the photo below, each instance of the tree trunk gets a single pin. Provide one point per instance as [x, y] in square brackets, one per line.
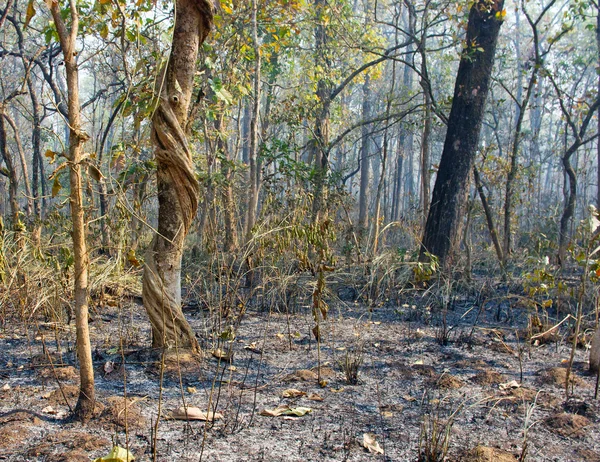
[252, 205]
[321, 129]
[488, 217]
[23, 162]
[77, 138]
[176, 180]
[13, 183]
[598, 141]
[365, 165]
[443, 227]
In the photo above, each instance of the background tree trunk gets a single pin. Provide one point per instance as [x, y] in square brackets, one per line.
[178, 188]
[442, 230]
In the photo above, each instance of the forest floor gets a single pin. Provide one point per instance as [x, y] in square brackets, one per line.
[484, 387]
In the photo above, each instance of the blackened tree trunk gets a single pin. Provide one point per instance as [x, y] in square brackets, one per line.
[178, 188]
[446, 213]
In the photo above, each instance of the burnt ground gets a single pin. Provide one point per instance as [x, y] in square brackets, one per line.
[408, 381]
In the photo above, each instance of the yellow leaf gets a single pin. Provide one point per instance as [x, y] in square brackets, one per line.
[51, 155]
[56, 187]
[117, 454]
[131, 258]
[30, 14]
[227, 9]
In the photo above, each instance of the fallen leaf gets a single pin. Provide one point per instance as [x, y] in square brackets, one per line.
[338, 390]
[117, 454]
[292, 393]
[6, 387]
[49, 410]
[418, 362]
[109, 366]
[409, 398]
[280, 336]
[387, 414]
[509, 385]
[253, 348]
[284, 410]
[194, 413]
[192, 390]
[220, 354]
[315, 397]
[371, 444]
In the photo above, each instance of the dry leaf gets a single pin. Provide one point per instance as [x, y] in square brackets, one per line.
[192, 390]
[509, 385]
[109, 366]
[292, 393]
[220, 354]
[194, 413]
[6, 387]
[371, 444]
[315, 397]
[286, 411]
[409, 398]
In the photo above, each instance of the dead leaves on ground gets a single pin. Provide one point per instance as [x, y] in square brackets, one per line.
[370, 443]
[285, 410]
[194, 413]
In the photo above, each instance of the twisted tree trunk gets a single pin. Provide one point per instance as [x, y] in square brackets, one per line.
[176, 179]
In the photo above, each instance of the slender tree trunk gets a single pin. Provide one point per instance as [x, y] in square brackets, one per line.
[252, 204]
[13, 182]
[444, 222]
[23, 162]
[365, 165]
[488, 217]
[598, 140]
[321, 129]
[77, 138]
[230, 242]
[425, 162]
[176, 180]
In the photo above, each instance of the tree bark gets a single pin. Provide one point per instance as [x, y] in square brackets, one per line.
[77, 138]
[178, 188]
[488, 217]
[252, 205]
[446, 213]
[365, 165]
[23, 162]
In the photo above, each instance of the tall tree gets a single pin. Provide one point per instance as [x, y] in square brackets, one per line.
[444, 221]
[176, 179]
